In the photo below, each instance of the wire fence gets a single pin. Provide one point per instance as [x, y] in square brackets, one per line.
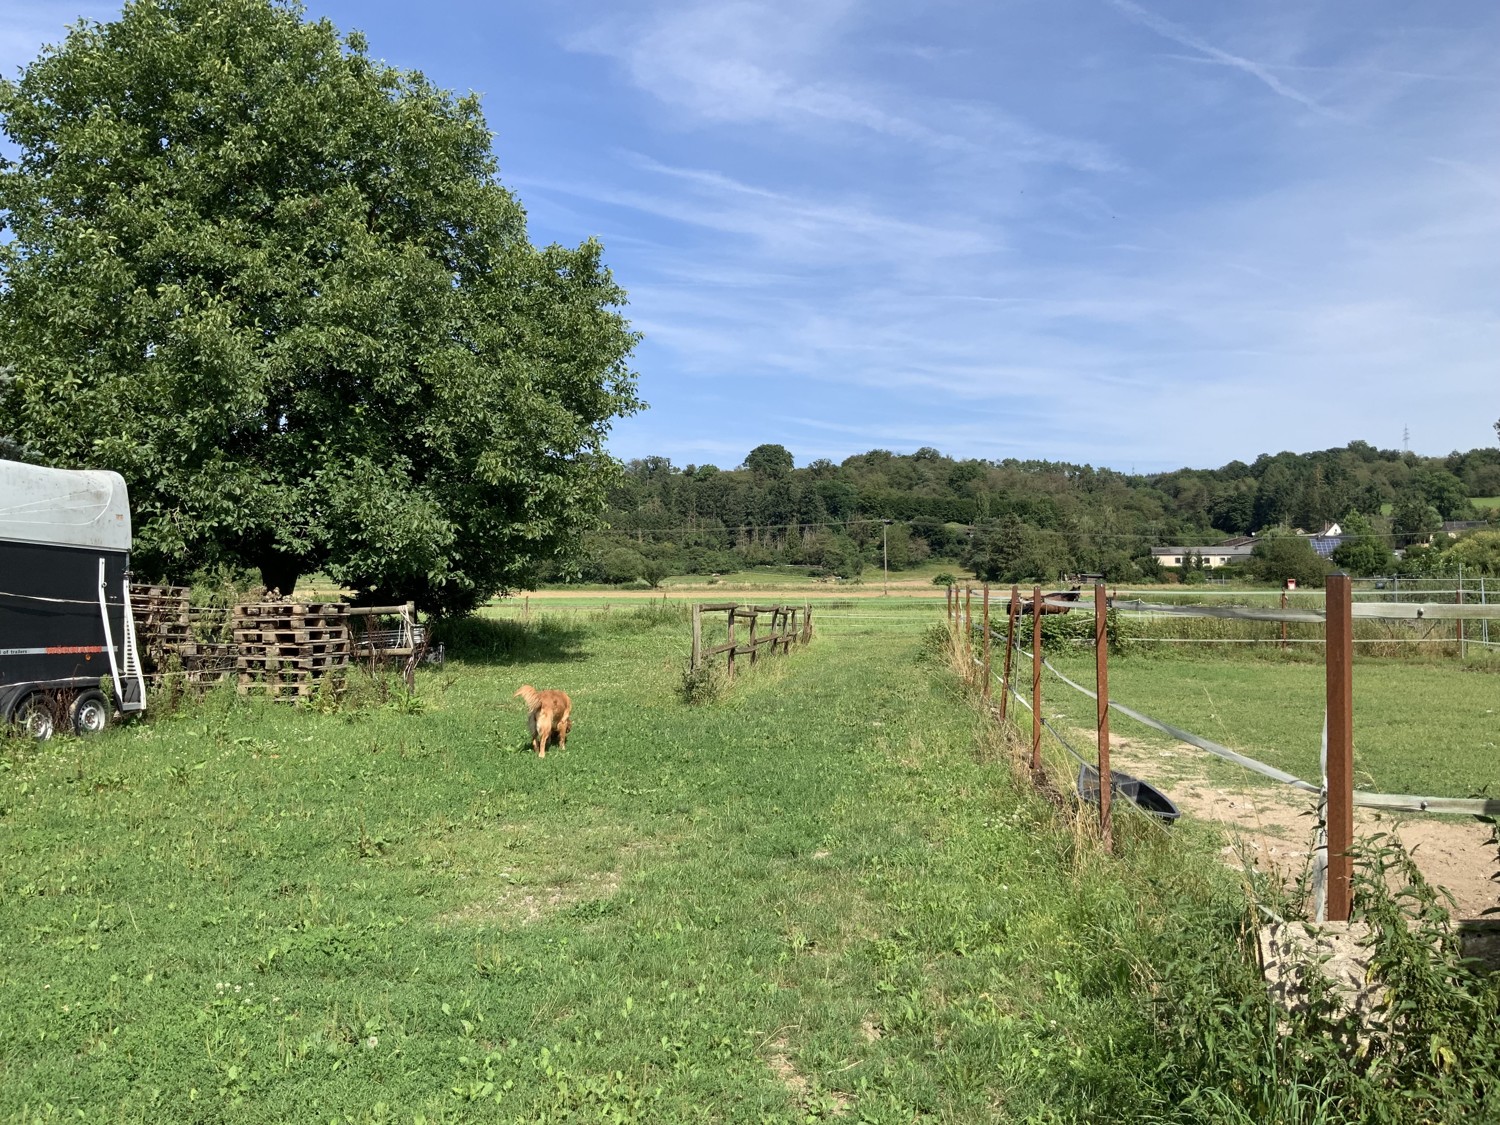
[1458, 612]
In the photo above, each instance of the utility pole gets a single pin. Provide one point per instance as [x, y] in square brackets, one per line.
[885, 562]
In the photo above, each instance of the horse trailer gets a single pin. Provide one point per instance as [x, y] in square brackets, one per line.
[65, 616]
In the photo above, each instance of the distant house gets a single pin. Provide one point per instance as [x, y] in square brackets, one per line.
[1324, 545]
[1454, 528]
[1214, 556]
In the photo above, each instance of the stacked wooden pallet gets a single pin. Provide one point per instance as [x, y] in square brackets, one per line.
[205, 662]
[161, 623]
[288, 650]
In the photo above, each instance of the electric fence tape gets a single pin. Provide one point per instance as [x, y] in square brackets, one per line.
[1394, 802]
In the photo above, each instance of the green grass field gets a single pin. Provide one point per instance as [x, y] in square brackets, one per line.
[1428, 728]
[773, 908]
[1485, 501]
[823, 896]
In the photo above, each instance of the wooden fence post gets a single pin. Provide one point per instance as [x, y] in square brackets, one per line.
[697, 635]
[1101, 687]
[948, 602]
[754, 651]
[1010, 648]
[730, 663]
[968, 613]
[1339, 660]
[984, 692]
[1036, 678]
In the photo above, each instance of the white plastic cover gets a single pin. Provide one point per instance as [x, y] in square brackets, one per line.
[66, 507]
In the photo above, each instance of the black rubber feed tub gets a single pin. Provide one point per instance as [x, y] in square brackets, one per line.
[1140, 793]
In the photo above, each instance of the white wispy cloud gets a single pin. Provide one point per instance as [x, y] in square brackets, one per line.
[786, 227]
[767, 63]
[1182, 36]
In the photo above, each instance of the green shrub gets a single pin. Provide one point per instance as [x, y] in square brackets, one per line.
[703, 684]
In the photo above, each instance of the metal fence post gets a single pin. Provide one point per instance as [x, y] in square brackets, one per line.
[1036, 678]
[1101, 687]
[1010, 648]
[1462, 647]
[697, 635]
[1339, 666]
[984, 691]
[1484, 626]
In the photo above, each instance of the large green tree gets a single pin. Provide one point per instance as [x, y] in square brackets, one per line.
[278, 286]
[1280, 556]
[1363, 551]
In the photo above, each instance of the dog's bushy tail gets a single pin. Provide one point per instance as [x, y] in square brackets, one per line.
[530, 695]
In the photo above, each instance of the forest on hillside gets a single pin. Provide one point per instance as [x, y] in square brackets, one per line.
[1014, 520]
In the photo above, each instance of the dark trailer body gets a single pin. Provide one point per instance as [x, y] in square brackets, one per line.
[65, 616]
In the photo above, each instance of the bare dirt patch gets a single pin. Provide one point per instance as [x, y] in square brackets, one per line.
[1276, 825]
[522, 905]
[515, 885]
[778, 1057]
[779, 1060]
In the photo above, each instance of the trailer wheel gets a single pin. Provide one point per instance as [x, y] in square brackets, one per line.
[91, 712]
[36, 716]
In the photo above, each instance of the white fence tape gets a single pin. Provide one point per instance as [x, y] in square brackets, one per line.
[1397, 802]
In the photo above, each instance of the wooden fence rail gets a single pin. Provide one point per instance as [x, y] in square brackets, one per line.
[786, 625]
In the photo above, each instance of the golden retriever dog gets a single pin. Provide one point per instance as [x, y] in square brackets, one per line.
[551, 716]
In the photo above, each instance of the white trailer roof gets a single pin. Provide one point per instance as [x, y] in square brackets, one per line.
[66, 507]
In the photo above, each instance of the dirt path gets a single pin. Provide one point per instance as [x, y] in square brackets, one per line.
[1276, 824]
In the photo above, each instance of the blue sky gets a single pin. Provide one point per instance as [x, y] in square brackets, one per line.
[1138, 234]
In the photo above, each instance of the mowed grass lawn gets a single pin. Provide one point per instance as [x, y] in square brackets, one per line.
[818, 896]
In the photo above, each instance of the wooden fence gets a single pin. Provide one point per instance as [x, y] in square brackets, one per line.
[785, 626]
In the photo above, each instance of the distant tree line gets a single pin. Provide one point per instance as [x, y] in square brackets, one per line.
[1012, 520]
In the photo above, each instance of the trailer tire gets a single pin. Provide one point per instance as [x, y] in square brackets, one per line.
[90, 712]
[36, 716]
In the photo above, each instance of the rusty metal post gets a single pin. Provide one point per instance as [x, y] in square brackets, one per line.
[1283, 624]
[1010, 648]
[1036, 678]
[948, 601]
[968, 612]
[984, 691]
[1101, 687]
[1339, 659]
